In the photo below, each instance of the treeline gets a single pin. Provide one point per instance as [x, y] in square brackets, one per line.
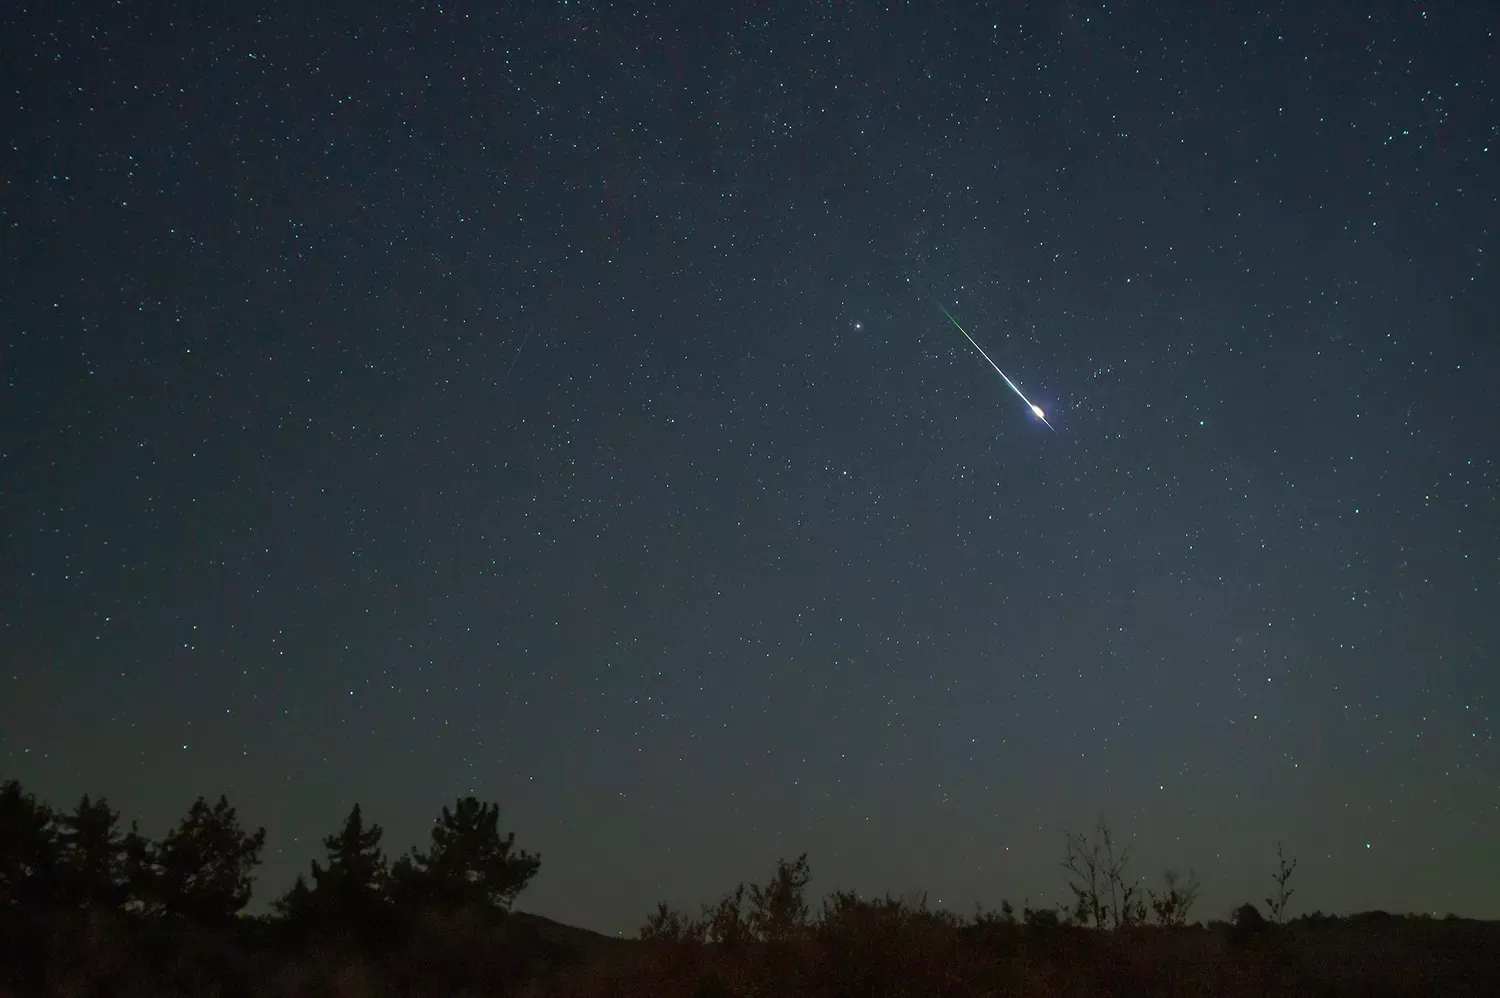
[89, 906]
[203, 869]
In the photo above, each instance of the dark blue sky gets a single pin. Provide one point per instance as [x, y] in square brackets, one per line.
[406, 401]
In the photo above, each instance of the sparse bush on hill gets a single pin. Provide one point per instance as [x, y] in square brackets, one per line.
[666, 925]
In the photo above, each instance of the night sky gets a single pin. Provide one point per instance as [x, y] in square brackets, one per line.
[405, 401]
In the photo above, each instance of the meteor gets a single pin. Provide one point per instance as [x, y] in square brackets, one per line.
[1036, 410]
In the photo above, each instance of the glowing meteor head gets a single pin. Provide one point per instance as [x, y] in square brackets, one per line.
[1038, 410]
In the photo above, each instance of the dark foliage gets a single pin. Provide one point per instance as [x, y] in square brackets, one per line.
[349, 896]
[202, 869]
[778, 910]
[468, 866]
[1246, 923]
[88, 909]
[28, 849]
[1172, 905]
[98, 867]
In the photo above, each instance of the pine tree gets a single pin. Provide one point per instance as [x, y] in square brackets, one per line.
[297, 903]
[356, 874]
[203, 867]
[468, 865]
[91, 856]
[28, 850]
[352, 891]
[137, 870]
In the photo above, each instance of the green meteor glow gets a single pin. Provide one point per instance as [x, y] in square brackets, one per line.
[1036, 410]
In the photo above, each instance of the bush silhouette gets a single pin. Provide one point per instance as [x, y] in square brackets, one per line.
[1247, 921]
[1172, 906]
[778, 910]
[666, 925]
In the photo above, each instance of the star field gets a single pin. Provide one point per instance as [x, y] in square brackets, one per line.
[554, 405]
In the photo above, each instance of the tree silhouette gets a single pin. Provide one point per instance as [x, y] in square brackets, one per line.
[137, 870]
[94, 859]
[28, 849]
[779, 909]
[202, 869]
[468, 865]
[352, 888]
[356, 873]
[297, 904]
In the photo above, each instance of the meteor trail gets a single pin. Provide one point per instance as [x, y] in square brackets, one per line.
[1036, 410]
[517, 357]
